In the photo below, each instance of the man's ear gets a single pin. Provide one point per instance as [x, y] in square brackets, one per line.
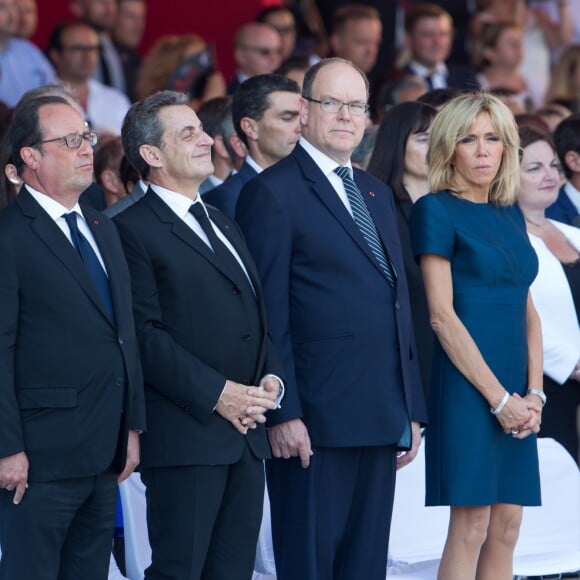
[151, 155]
[31, 157]
[250, 128]
[572, 160]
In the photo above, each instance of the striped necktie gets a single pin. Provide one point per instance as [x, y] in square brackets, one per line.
[363, 220]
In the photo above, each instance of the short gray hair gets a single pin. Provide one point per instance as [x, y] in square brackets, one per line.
[142, 126]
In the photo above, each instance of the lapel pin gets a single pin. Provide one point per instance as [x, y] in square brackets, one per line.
[372, 193]
[226, 227]
[96, 222]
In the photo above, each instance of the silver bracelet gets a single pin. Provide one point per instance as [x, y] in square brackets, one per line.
[538, 393]
[501, 405]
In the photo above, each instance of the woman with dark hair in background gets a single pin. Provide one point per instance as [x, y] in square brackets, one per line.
[556, 289]
[400, 160]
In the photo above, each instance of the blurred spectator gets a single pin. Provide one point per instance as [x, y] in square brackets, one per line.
[438, 98]
[295, 69]
[107, 162]
[183, 63]
[399, 159]
[361, 155]
[404, 88]
[428, 38]
[565, 83]
[498, 55]
[553, 114]
[356, 34]
[101, 14]
[566, 208]
[22, 65]
[282, 19]
[541, 36]
[556, 289]
[532, 121]
[127, 34]
[27, 18]
[212, 114]
[257, 51]
[73, 48]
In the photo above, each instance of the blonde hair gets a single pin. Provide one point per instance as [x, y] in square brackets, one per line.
[561, 83]
[162, 60]
[453, 123]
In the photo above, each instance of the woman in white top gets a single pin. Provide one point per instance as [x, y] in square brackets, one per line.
[556, 290]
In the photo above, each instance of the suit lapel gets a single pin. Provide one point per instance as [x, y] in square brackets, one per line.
[324, 190]
[52, 236]
[184, 232]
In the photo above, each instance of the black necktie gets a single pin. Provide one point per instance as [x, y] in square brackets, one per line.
[92, 264]
[220, 249]
[365, 223]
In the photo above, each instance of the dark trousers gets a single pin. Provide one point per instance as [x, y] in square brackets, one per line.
[61, 530]
[204, 520]
[331, 521]
[559, 416]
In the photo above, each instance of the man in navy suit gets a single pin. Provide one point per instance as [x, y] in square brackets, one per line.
[265, 111]
[338, 310]
[429, 39]
[71, 388]
[566, 208]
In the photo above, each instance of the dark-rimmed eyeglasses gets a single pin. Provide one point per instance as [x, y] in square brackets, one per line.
[75, 140]
[333, 106]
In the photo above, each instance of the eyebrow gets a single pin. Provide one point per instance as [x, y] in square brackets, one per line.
[189, 129]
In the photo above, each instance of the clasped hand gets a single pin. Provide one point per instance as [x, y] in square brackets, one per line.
[245, 406]
[521, 417]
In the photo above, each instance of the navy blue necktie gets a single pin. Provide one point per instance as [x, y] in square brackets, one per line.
[365, 223]
[92, 264]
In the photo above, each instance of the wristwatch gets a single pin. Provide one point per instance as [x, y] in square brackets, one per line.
[538, 393]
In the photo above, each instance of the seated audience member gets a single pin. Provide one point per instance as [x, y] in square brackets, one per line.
[361, 154]
[295, 69]
[107, 164]
[553, 114]
[399, 159]
[266, 114]
[22, 64]
[184, 63]
[10, 182]
[497, 55]
[27, 18]
[533, 121]
[565, 81]
[73, 48]
[438, 98]
[101, 15]
[403, 88]
[127, 34]
[282, 19]
[566, 208]
[257, 51]
[211, 114]
[356, 35]
[428, 39]
[556, 289]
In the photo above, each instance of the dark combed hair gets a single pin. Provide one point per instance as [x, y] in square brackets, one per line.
[348, 12]
[567, 138]
[24, 129]
[251, 98]
[56, 34]
[387, 161]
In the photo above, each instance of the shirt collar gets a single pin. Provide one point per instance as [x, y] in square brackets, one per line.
[52, 207]
[177, 202]
[324, 162]
[252, 163]
[423, 71]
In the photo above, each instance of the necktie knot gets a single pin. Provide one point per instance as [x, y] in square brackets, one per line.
[198, 211]
[343, 172]
[71, 220]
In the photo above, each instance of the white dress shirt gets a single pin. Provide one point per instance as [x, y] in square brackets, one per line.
[56, 211]
[553, 300]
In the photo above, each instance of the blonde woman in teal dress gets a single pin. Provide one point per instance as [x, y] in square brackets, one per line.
[485, 398]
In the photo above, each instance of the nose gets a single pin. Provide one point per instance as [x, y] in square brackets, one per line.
[482, 148]
[344, 111]
[207, 140]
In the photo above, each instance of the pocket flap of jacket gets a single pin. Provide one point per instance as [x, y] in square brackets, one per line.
[47, 398]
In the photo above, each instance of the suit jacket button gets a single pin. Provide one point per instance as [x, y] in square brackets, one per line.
[246, 337]
[236, 290]
[121, 341]
[397, 305]
[118, 382]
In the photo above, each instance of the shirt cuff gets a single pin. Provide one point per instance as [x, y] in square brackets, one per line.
[282, 390]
